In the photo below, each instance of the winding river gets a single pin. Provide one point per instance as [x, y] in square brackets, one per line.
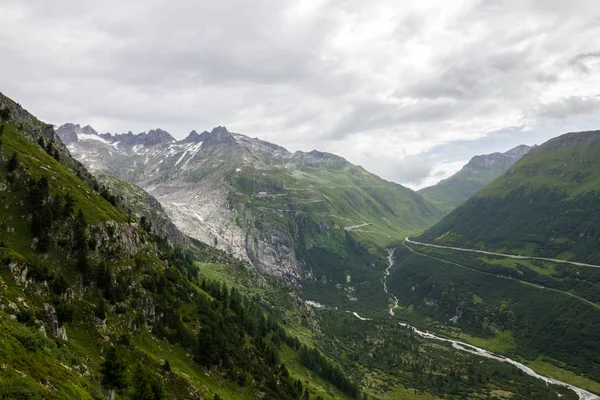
[468, 348]
[583, 394]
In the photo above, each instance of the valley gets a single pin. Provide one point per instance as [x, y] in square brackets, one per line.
[237, 269]
[299, 200]
[462, 346]
[326, 213]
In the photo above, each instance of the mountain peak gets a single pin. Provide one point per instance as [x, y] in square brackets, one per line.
[194, 137]
[155, 136]
[88, 130]
[473, 176]
[220, 130]
[219, 135]
[68, 132]
[519, 151]
[318, 159]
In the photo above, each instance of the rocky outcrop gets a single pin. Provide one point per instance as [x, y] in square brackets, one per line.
[117, 238]
[51, 320]
[19, 273]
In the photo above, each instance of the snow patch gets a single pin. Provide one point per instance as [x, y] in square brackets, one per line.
[85, 136]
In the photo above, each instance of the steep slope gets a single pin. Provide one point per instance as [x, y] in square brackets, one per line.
[475, 175]
[545, 205]
[255, 199]
[139, 204]
[94, 306]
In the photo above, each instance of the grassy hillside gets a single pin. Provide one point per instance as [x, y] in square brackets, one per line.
[479, 172]
[92, 303]
[546, 205]
[338, 220]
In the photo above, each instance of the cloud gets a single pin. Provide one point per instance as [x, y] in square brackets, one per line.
[584, 61]
[389, 87]
[569, 107]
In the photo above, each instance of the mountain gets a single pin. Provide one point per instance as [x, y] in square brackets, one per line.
[97, 305]
[94, 304]
[545, 205]
[276, 209]
[475, 175]
[516, 266]
[140, 204]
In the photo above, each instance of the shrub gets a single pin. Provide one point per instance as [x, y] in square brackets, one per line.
[20, 389]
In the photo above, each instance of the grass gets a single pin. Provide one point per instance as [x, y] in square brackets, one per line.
[541, 267]
[502, 342]
[62, 180]
[309, 379]
[551, 370]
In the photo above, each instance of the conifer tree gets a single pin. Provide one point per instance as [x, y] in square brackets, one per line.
[113, 370]
[13, 163]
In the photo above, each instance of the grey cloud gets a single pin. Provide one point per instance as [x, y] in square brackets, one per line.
[305, 74]
[570, 106]
[408, 169]
[373, 115]
[581, 61]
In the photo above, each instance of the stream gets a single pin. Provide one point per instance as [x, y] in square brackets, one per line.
[583, 394]
[391, 260]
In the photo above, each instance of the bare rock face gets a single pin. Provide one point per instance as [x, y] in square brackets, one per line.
[242, 195]
[188, 178]
[52, 321]
[124, 238]
[19, 273]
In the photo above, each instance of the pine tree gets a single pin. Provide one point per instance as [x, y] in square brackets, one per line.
[146, 385]
[69, 206]
[13, 163]
[113, 370]
[4, 114]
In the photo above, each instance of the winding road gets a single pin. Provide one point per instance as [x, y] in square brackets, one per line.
[502, 254]
[495, 275]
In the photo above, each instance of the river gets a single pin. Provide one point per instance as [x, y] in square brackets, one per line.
[583, 394]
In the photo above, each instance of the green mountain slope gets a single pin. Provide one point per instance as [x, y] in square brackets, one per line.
[92, 305]
[474, 176]
[545, 205]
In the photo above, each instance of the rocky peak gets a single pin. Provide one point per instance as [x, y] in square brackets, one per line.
[88, 130]
[153, 137]
[68, 132]
[519, 151]
[219, 135]
[193, 137]
[497, 160]
[156, 136]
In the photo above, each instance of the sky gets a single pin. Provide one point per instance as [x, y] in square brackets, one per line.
[410, 90]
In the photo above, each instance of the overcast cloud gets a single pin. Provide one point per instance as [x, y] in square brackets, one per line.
[409, 90]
